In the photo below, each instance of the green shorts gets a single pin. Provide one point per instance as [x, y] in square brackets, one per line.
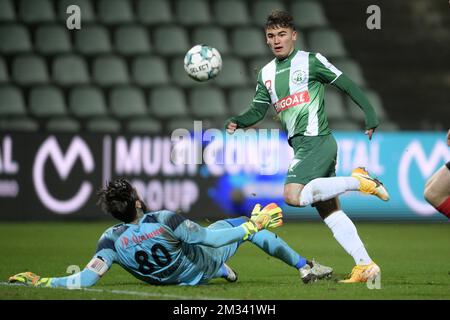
[314, 157]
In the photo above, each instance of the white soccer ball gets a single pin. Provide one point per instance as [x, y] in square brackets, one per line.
[202, 62]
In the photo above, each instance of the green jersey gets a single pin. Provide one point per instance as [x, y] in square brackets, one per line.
[294, 86]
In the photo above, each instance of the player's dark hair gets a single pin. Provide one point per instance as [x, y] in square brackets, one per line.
[280, 19]
[118, 198]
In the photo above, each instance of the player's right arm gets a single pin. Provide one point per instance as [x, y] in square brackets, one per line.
[255, 113]
[101, 262]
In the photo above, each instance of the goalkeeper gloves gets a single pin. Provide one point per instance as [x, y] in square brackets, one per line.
[269, 217]
[30, 279]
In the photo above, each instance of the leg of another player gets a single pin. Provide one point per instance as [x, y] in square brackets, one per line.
[320, 189]
[437, 190]
[343, 229]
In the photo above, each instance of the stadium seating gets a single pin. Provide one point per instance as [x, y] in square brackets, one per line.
[86, 8]
[328, 42]
[36, 11]
[69, 70]
[192, 12]
[180, 123]
[262, 8]
[171, 40]
[144, 126]
[123, 71]
[179, 76]
[63, 125]
[239, 99]
[334, 104]
[103, 125]
[13, 113]
[233, 73]
[127, 102]
[352, 70]
[87, 102]
[168, 102]
[207, 102]
[230, 13]
[248, 42]
[213, 36]
[154, 12]
[131, 40]
[12, 102]
[52, 39]
[110, 70]
[7, 12]
[111, 12]
[308, 14]
[92, 40]
[15, 39]
[3, 71]
[29, 70]
[19, 125]
[46, 102]
[149, 71]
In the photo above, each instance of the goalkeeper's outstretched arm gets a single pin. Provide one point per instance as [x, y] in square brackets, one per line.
[190, 232]
[89, 276]
[86, 278]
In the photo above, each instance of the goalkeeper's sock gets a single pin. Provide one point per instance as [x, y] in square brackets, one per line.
[273, 245]
[344, 231]
[301, 262]
[322, 189]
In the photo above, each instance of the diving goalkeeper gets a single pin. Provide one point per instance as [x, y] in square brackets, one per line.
[164, 248]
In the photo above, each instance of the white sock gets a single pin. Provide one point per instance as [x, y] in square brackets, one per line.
[322, 189]
[344, 231]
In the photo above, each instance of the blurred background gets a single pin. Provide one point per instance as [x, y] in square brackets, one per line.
[80, 107]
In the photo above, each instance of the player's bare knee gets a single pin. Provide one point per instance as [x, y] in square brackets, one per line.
[292, 198]
[431, 196]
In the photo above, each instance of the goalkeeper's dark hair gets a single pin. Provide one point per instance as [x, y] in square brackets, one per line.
[280, 19]
[118, 198]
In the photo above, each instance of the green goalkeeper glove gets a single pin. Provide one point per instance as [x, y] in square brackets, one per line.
[269, 217]
[30, 279]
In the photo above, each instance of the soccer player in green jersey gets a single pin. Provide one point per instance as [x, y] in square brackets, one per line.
[293, 83]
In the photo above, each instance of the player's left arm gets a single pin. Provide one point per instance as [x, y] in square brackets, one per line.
[89, 276]
[325, 72]
[190, 232]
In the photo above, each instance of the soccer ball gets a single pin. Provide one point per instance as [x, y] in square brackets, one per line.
[202, 62]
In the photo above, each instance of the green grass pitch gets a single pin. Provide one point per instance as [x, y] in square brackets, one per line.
[415, 262]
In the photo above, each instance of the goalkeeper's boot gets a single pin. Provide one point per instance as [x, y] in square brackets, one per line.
[362, 273]
[231, 274]
[369, 184]
[313, 271]
[30, 279]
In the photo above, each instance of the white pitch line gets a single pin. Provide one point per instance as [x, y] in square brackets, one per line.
[125, 292]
